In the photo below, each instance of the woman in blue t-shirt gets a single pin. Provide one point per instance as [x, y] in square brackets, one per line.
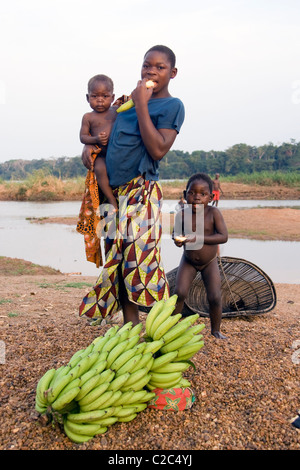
[133, 274]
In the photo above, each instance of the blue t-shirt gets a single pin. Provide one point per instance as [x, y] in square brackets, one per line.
[127, 156]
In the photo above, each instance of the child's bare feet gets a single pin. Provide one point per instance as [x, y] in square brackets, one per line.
[218, 335]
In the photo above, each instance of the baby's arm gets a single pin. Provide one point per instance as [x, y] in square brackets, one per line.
[84, 134]
[221, 234]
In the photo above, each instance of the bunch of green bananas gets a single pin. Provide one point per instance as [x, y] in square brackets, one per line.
[177, 341]
[101, 384]
[113, 378]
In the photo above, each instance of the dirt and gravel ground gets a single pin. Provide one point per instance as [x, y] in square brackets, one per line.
[246, 387]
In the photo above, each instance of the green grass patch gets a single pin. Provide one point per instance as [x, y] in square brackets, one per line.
[69, 285]
[5, 301]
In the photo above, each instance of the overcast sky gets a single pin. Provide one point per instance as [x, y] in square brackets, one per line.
[238, 68]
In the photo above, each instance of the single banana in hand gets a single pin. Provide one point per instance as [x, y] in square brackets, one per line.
[130, 104]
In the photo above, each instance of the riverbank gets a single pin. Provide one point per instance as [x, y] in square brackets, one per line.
[246, 388]
[256, 224]
[58, 190]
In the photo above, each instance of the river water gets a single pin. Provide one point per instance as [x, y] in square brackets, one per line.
[61, 247]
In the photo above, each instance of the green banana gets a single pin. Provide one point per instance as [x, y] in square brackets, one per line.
[111, 343]
[106, 376]
[135, 397]
[166, 326]
[140, 383]
[84, 364]
[99, 366]
[188, 350]
[132, 342]
[130, 103]
[173, 367]
[87, 376]
[112, 331]
[122, 359]
[163, 360]
[153, 346]
[87, 350]
[123, 336]
[100, 342]
[145, 360]
[64, 399]
[154, 312]
[88, 429]
[163, 386]
[89, 385]
[139, 348]
[136, 330]
[115, 352]
[124, 398]
[129, 365]
[178, 329]
[77, 438]
[107, 421]
[111, 410]
[96, 404]
[74, 359]
[177, 343]
[78, 355]
[57, 373]
[161, 318]
[43, 385]
[195, 329]
[72, 384]
[89, 416]
[125, 106]
[184, 383]
[138, 406]
[94, 394]
[111, 401]
[123, 412]
[126, 419]
[53, 392]
[171, 301]
[162, 378]
[40, 408]
[118, 382]
[148, 365]
[195, 339]
[64, 371]
[134, 377]
[126, 327]
[147, 397]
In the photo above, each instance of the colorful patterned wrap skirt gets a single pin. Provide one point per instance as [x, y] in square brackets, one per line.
[132, 241]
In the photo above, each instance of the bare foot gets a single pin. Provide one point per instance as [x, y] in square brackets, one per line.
[218, 335]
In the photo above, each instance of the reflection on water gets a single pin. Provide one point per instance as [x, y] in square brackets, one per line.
[61, 247]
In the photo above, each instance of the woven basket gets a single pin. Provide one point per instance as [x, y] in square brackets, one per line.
[246, 290]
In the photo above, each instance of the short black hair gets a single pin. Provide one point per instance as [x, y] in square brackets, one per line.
[166, 50]
[201, 176]
[100, 78]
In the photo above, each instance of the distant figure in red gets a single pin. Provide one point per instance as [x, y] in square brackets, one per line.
[216, 190]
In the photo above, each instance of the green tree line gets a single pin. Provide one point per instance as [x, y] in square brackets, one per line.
[240, 158]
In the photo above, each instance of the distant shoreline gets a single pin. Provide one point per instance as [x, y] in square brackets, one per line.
[231, 191]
